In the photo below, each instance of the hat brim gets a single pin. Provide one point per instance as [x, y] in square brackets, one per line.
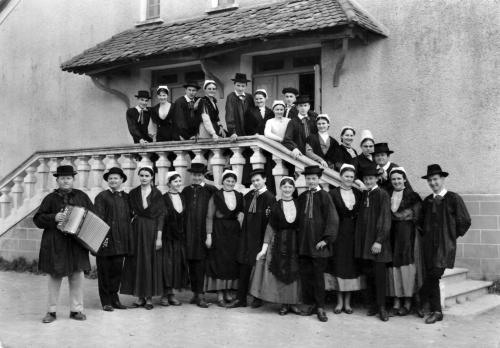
[194, 86]
[240, 80]
[64, 174]
[389, 152]
[137, 96]
[443, 174]
[106, 175]
[203, 171]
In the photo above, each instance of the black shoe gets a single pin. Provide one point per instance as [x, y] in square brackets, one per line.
[235, 304]
[193, 299]
[337, 310]
[256, 303]
[384, 316]
[321, 315]
[403, 311]
[149, 306]
[435, 316]
[200, 302]
[283, 309]
[294, 309]
[348, 311]
[420, 313]
[372, 311]
[108, 308]
[138, 304]
[221, 303]
[309, 310]
[173, 301]
[118, 305]
[77, 316]
[49, 317]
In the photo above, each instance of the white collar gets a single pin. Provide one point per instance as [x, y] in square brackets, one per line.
[441, 193]
[386, 167]
[373, 188]
[187, 98]
[139, 108]
[318, 188]
[110, 190]
[202, 183]
[302, 117]
[238, 95]
[324, 136]
[262, 190]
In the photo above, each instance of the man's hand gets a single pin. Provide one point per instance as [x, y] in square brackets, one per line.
[158, 244]
[320, 245]
[142, 141]
[296, 153]
[60, 217]
[208, 241]
[376, 248]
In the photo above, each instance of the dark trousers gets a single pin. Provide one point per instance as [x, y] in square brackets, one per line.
[196, 275]
[430, 289]
[376, 281]
[244, 282]
[313, 280]
[109, 273]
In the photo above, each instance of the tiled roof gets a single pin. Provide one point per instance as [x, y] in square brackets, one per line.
[273, 20]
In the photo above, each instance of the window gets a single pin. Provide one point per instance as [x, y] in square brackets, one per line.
[221, 5]
[152, 9]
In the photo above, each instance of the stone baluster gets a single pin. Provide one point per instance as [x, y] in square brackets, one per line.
[53, 164]
[83, 169]
[180, 164]
[145, 161]
[17, 192]
[43, 175]
[128, 167]
[198, 157]
[30, 182]
[5, 202]
[258, 160]
[67, 161]
[111, 161]
[279, 171]
[237, 162]
[162, 164]
[300, 182]
[97, 168]
[217, 162]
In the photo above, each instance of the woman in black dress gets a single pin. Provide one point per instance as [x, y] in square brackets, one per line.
[142, 269]
[208, 113]
[275, 277]
[365, 159]
[223, 231]
[346, 153]
[174, 264]
[321, 147]
[161, 115]
[404, 274]
[342, 273]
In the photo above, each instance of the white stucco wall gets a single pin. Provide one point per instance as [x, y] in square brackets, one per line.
[430, 89]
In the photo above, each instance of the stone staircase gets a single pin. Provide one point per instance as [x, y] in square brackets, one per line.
[466, 297]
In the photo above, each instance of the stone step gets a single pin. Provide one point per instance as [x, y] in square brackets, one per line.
[469, 309]
[467, 290]
[454, 275]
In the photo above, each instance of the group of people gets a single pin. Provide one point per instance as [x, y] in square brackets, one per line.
[372, 233]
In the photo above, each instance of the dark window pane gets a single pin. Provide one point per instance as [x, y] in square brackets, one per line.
[305, 61]
[168, 79]
[194, 76]
[153, 9]
[272, 65]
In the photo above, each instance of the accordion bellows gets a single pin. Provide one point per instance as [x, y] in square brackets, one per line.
[89, 229]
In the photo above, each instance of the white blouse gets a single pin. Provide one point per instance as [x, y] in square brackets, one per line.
[290, 211]
[348, 198]
[396, 198]
[275, 128]
[163, 110]
[230, 199]
[144, 195]
[177, 202]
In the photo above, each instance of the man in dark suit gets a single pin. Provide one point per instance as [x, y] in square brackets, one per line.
[290, 96]
[237, 103]
[300, 127]
[382, 156]
[183, 115]
[138, 119]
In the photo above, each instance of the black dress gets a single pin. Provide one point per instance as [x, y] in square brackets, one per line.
[222, 265]
[165, 130]
[342, 265]
[142, 271]
[174, 264]
[60, 254]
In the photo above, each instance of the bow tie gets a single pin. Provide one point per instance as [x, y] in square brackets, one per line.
[117, 193]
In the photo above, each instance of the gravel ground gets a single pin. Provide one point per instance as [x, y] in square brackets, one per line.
[23, 304]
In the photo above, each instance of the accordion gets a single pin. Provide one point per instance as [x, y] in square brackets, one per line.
[89, 229]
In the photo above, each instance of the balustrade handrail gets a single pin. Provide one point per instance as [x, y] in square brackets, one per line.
[185, 145]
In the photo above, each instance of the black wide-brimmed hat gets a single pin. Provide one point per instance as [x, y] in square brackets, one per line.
[239, 77]
[257, 171]
[65, 171]
[382, 148]
[197, 168]
[115, 170]
[309, 170]
[143, 94]
[290, 90]
[370, 171]
[302, 99]
[433, 169]
[192, 84]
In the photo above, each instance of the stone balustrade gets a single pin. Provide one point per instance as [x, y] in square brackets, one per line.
[24, 188]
